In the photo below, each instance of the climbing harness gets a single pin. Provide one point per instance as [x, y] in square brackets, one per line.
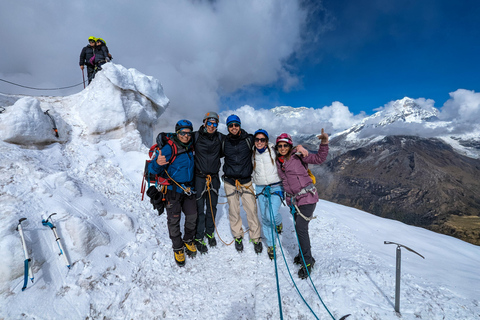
[293, 201]
[187, 190]
[239, 191]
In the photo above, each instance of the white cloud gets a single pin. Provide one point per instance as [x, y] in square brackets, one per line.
[462, 107]
[197, 49]
[303, 120]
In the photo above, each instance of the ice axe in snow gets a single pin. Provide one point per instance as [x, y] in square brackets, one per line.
[28, 267]
[47, 223]
[399, 260]
[53, 122]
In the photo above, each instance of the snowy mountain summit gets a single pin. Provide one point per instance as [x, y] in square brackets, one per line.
[122, 264]
[406, 110]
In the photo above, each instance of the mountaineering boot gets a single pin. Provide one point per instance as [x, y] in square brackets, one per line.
[179, 257]
[302, 273]
[271, 252]
[239, 244]
[298, 259]
[280, 228]
[211, 240]
[257, 245]
[201, 246]
[190, 249]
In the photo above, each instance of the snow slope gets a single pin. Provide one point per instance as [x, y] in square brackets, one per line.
[122, 261]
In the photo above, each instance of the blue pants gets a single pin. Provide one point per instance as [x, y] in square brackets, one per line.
[263, 205]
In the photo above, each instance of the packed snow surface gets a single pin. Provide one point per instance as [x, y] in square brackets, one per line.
[121, 255]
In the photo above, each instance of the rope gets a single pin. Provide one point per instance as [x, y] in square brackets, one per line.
[267, 193]
[292, 211]
[207, 186]
[187, 191]
[272, 219]
[19, 85]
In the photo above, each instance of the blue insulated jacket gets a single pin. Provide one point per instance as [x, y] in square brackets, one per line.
[181, 170]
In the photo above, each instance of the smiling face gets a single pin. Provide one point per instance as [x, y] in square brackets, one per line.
[260, 141]
[184, 135]
[211, 125]
[283, 148]
[234, 128]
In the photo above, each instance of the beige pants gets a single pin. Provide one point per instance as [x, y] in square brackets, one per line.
[249, 205]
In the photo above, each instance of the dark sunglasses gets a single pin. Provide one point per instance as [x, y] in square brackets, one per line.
[260, 139]
[210, 123]
[91, 40]
[183, 133]
[283, 145]
[231, 125]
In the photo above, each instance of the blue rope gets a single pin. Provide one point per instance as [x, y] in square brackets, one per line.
[267, 194]
[292, 211]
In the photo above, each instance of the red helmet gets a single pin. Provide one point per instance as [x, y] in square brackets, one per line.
[285, 137]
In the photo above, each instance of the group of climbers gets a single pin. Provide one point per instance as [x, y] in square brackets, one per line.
[193, 185]
[94, 55]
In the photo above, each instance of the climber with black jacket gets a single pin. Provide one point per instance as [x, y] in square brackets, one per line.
[208, 151]
[238, 168]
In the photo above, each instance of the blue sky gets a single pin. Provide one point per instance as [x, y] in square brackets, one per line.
[374, 52]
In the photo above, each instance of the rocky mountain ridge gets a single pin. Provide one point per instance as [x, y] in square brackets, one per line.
[427, 181]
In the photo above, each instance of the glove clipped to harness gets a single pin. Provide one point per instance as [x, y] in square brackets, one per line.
[157, 199]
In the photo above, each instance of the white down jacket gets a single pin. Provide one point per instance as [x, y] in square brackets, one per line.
[265, 169]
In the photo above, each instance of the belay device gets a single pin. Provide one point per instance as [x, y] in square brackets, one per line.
[47, 223]
[28, 267]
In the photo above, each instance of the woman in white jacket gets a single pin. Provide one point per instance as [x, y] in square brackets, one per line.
[268, 188]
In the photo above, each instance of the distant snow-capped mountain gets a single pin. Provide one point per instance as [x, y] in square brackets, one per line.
[406, 117]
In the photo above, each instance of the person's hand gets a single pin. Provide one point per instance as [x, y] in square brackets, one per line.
[323, 136]
[81, 67]
[161, 160]
[302, 150]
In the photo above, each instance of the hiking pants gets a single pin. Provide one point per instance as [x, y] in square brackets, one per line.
[249, 205]
[301, 227]
[176, 203]
[205, 222]
[266, 206]
[90, 72]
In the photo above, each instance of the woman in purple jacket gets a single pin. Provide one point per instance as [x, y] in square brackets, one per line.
[301, 194]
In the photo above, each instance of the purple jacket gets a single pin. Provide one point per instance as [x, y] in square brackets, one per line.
[295, 176]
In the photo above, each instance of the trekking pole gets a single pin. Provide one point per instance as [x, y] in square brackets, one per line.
[47, 223]
[397, 280]
[28, 268]
[83, 75]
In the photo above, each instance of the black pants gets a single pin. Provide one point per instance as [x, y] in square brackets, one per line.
[90, 72]
[205, 222]
[301, 226]
[176, 203]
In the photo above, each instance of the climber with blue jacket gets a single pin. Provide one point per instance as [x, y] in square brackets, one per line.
[176, 163]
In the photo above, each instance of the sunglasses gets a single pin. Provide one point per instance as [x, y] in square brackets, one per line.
[210, 123]
[91, 40]
[183, 133]
[260, 139]
[231, 125]
[283, 145]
